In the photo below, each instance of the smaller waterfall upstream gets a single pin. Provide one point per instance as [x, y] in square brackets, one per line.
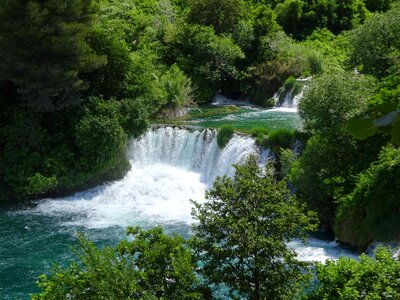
[290, 98]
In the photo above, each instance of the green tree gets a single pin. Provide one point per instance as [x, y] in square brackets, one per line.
[44, 49]
[211, 60]
[242, 233]
[333, 99]
[369, 278]
[376, 44]
[289, 13]
[222, 15]
[325, 172]
[370, 211]
[151, 266]
[378, 5]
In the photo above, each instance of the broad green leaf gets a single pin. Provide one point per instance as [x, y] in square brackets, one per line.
[361, 128]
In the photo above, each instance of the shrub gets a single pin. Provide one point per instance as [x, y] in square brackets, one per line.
[369, 278]
[281, 138]
[225, 134]
[39, 184]
[287, 158]
[150, 266]
[133, 117]
[371, 211]
[99, 138]
[289, 83]
[269, 103]
[259, 134]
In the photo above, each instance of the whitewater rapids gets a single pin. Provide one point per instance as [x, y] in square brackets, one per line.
[169, 167]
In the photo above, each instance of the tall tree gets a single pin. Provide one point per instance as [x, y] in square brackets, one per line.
[242, 235]
[223, 15]
[44, 51]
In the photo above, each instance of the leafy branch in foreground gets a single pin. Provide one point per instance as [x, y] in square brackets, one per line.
[151, 266]
[369, 278]
[244, 226]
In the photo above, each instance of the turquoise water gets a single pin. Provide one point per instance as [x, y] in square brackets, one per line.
[31, 242]
[247, 118]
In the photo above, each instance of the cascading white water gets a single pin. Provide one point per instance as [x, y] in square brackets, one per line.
[170, 166]
[291, 100]
[196, 151]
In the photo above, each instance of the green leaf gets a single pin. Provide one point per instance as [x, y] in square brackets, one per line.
[361, 128]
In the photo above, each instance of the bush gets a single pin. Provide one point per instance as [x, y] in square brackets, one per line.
[282, 138]
[151, 266]
[175, 92]
[289, 83]
[225, 134]
[39, 184]
[259, 134]
[371, 211]
[369, 278]
[269, 103]
[133, 117]
[99, 139]
[287, 159]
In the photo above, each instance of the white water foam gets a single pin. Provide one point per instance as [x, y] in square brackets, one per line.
[196, 151]
[170, 166]
[154, 194]
[320, 250]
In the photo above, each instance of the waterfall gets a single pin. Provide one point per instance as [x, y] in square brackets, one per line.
[290, 98]
[195, 151]
[170, 166]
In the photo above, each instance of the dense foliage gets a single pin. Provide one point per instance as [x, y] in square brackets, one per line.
[154, 58]
[369, 278]
[44, 50]
[370, 211]
[351, 183]
[225, 133]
